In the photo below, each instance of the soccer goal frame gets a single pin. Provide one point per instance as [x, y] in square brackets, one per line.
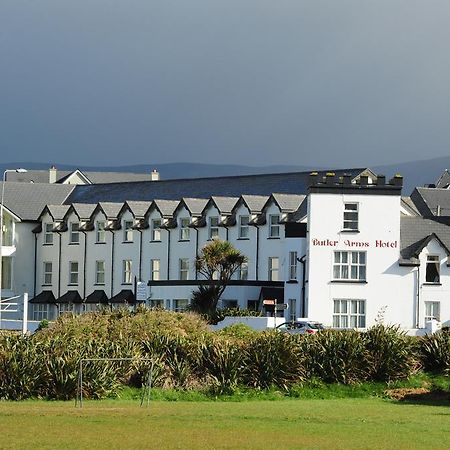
[146, 387]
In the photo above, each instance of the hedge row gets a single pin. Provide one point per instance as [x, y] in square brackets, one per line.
[182, 353]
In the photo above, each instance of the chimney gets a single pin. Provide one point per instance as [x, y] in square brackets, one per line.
[154, 175]
[347, 179]
[381, 180]
[313, 176]
[52, 175]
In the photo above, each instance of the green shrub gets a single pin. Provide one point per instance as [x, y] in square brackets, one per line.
[273, 359]
[435, 352]
[390, 353]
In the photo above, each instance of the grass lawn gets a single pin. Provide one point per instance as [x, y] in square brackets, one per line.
[333, 423]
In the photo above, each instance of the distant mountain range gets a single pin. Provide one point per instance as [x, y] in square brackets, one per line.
[415, 173]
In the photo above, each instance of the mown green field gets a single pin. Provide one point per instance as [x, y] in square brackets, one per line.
[120, 424]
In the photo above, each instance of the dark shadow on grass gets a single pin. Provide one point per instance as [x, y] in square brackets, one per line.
[422, 397]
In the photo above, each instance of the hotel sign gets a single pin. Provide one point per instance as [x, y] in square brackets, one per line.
[377, 243]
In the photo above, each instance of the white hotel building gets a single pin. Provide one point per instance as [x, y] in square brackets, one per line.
[343, 248]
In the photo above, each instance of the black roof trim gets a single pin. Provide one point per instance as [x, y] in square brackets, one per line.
[43, 297]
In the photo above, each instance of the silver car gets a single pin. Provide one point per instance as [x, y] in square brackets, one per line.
[301, 327]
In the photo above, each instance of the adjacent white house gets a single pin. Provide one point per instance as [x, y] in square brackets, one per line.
[344, 248]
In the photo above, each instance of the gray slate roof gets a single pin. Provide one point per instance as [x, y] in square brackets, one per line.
[444, 180]
[224, 204]
[265, 184]
[410, 206]
[42, 176]
[195, 205]
[139, 209]
[57, 211]
[288, 202]
[84, 210]
[414, 231]
[432, 201]
[110, 209]
[27, 200]
[255, 203]
[166, 207]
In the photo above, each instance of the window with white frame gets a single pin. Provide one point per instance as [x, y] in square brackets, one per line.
[100, 232]
[40, 311]
[156, 230]
[349, 313]
[292, 266]
[47, 273]
[180, 305]
[100, 272]
[213, 231]
[292, 303]
[432, 311]
[244, 227]
[65, 308]
[184, 269]
[274, 226]
[8, 230]
[48, 234]
[127, 276]
[243, 271]
[128, 231]
[7, 275]
[74, 228]
[155, 269]
[184, 229]
[350, 216]
[432, 272]
[273, 268]
[73, 272]
[349, 266]
[89, 307]
[156, 303]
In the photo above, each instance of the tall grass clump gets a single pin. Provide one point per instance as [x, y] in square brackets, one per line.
[273, 359]
[435, 352]
[391, 355]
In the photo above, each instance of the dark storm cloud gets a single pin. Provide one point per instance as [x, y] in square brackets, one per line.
[246, 81]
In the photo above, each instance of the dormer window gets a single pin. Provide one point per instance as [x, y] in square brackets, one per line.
[128, 231]
[244, 227]
[432, 274]
[100, 232]
[213, 228]
[184, 229]
[350, 217]
[74, 233]
[274, 226]
[48, 234]
[156, 229]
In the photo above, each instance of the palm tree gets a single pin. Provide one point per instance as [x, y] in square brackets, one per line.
[217, 263]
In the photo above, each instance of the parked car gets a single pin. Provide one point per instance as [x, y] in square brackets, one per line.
[301, 327]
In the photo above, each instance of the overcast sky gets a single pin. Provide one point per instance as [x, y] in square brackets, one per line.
[258, 82]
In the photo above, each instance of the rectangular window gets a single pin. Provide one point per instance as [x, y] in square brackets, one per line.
[349, 266]
[99, 272]
[156, 229]
[244, 228]
[156, 303]
[127, 231]
[100, 232]
[351, 216]
[184, 229]
[7, 279]
[213, 228]
[89, 307]
[292, 309]
[8, 230]
[48, 234]
[74, 233]
[274, 226]
[292, 265]
[65, 308]
[73, 272]
[40, 311]
[184, 269]
[127, 277]
[349, 313]
[432, 274]
[230, 304]
[48, 272]
[273, 268]
[432, 311]
[243, 271]
[155, 265]
[180, 305]
[252, 305]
